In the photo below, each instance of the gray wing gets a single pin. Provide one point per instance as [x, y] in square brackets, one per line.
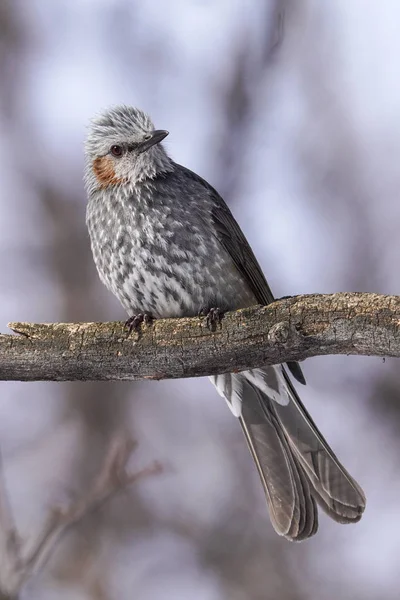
[232, 238]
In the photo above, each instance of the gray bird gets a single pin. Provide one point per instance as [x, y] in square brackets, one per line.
[166, 244]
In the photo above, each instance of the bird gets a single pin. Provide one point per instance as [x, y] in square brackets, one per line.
[166, 245]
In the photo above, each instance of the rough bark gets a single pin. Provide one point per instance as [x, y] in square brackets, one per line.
[289, 329]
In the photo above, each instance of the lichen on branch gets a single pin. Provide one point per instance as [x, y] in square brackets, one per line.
[291, 329]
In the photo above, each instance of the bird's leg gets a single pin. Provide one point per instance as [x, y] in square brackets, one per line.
[134, 322]
[213, 316]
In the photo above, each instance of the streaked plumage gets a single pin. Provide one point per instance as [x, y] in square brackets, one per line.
[164, 242]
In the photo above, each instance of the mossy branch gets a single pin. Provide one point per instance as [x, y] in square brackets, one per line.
[289, 329]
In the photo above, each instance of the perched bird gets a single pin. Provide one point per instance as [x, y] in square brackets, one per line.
[166, 244]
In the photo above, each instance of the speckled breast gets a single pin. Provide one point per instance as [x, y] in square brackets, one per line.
[161, 259]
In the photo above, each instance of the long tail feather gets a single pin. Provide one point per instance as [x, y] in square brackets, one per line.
[297, 467]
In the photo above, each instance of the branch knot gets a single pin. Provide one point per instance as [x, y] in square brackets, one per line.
[280, 332]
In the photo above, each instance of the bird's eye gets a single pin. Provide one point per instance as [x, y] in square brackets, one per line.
[116, 150]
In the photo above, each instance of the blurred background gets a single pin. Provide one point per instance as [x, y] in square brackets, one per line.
[291, 109]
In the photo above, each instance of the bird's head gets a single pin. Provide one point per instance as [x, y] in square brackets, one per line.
[123, 147]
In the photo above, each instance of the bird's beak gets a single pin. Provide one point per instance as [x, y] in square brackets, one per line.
[155, 138]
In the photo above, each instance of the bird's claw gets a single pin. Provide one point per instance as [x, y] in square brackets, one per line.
[134, 322]
[213, 317]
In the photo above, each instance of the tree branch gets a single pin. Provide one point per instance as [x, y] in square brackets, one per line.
[290, 329]
[19, 562]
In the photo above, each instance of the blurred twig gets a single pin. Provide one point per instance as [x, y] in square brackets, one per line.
[290, 329]
[20, 562]
[9, 547]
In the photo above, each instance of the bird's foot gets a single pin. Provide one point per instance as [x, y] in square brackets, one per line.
[134, 323]
[213, 316]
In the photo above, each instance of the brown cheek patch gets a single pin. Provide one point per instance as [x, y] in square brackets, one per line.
[103, 168]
